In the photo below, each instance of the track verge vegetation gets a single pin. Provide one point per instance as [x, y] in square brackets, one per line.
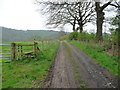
[96, 53]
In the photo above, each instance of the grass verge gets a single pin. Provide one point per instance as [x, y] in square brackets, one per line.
[28, 72]
[95, 52]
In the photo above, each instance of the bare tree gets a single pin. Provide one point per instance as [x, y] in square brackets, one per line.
[57, 14]
[100, 17]
[75, 13]
[82, 12]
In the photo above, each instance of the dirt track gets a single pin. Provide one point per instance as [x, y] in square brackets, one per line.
[72, 68]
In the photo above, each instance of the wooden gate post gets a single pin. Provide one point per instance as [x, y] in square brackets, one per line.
[35, 48]
[21, 51]
[13, 45]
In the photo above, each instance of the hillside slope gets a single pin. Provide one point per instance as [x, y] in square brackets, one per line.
[11, 35]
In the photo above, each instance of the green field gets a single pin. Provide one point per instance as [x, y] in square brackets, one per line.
[41, 45]
[96, 52]
[29, 72]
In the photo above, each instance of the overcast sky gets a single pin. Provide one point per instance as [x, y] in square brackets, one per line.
[22, 14]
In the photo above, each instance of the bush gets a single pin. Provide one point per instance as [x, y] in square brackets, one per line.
[73, 35]
[84, 36]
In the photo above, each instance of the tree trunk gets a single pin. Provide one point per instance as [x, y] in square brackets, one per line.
[74, 27]
[81, 28]
[80, 25]
[100, 18]
[74, 24]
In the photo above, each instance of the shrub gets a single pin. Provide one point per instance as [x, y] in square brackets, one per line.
[73, 35]
[84, 36]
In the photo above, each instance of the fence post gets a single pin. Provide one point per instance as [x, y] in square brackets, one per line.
[35, 48]
[42, 45]
[21, 51]
[13, 50]
[113, 48]
[18, 54]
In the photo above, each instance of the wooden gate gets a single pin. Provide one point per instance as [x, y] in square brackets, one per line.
[5, 52]
[18, 50]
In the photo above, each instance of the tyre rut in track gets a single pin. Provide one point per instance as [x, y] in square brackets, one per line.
[74, 69]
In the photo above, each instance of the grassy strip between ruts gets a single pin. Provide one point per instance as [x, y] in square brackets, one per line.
[109, 62]
[82, 83]
[28, 73]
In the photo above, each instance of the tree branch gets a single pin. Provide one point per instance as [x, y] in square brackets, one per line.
[105, 5]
